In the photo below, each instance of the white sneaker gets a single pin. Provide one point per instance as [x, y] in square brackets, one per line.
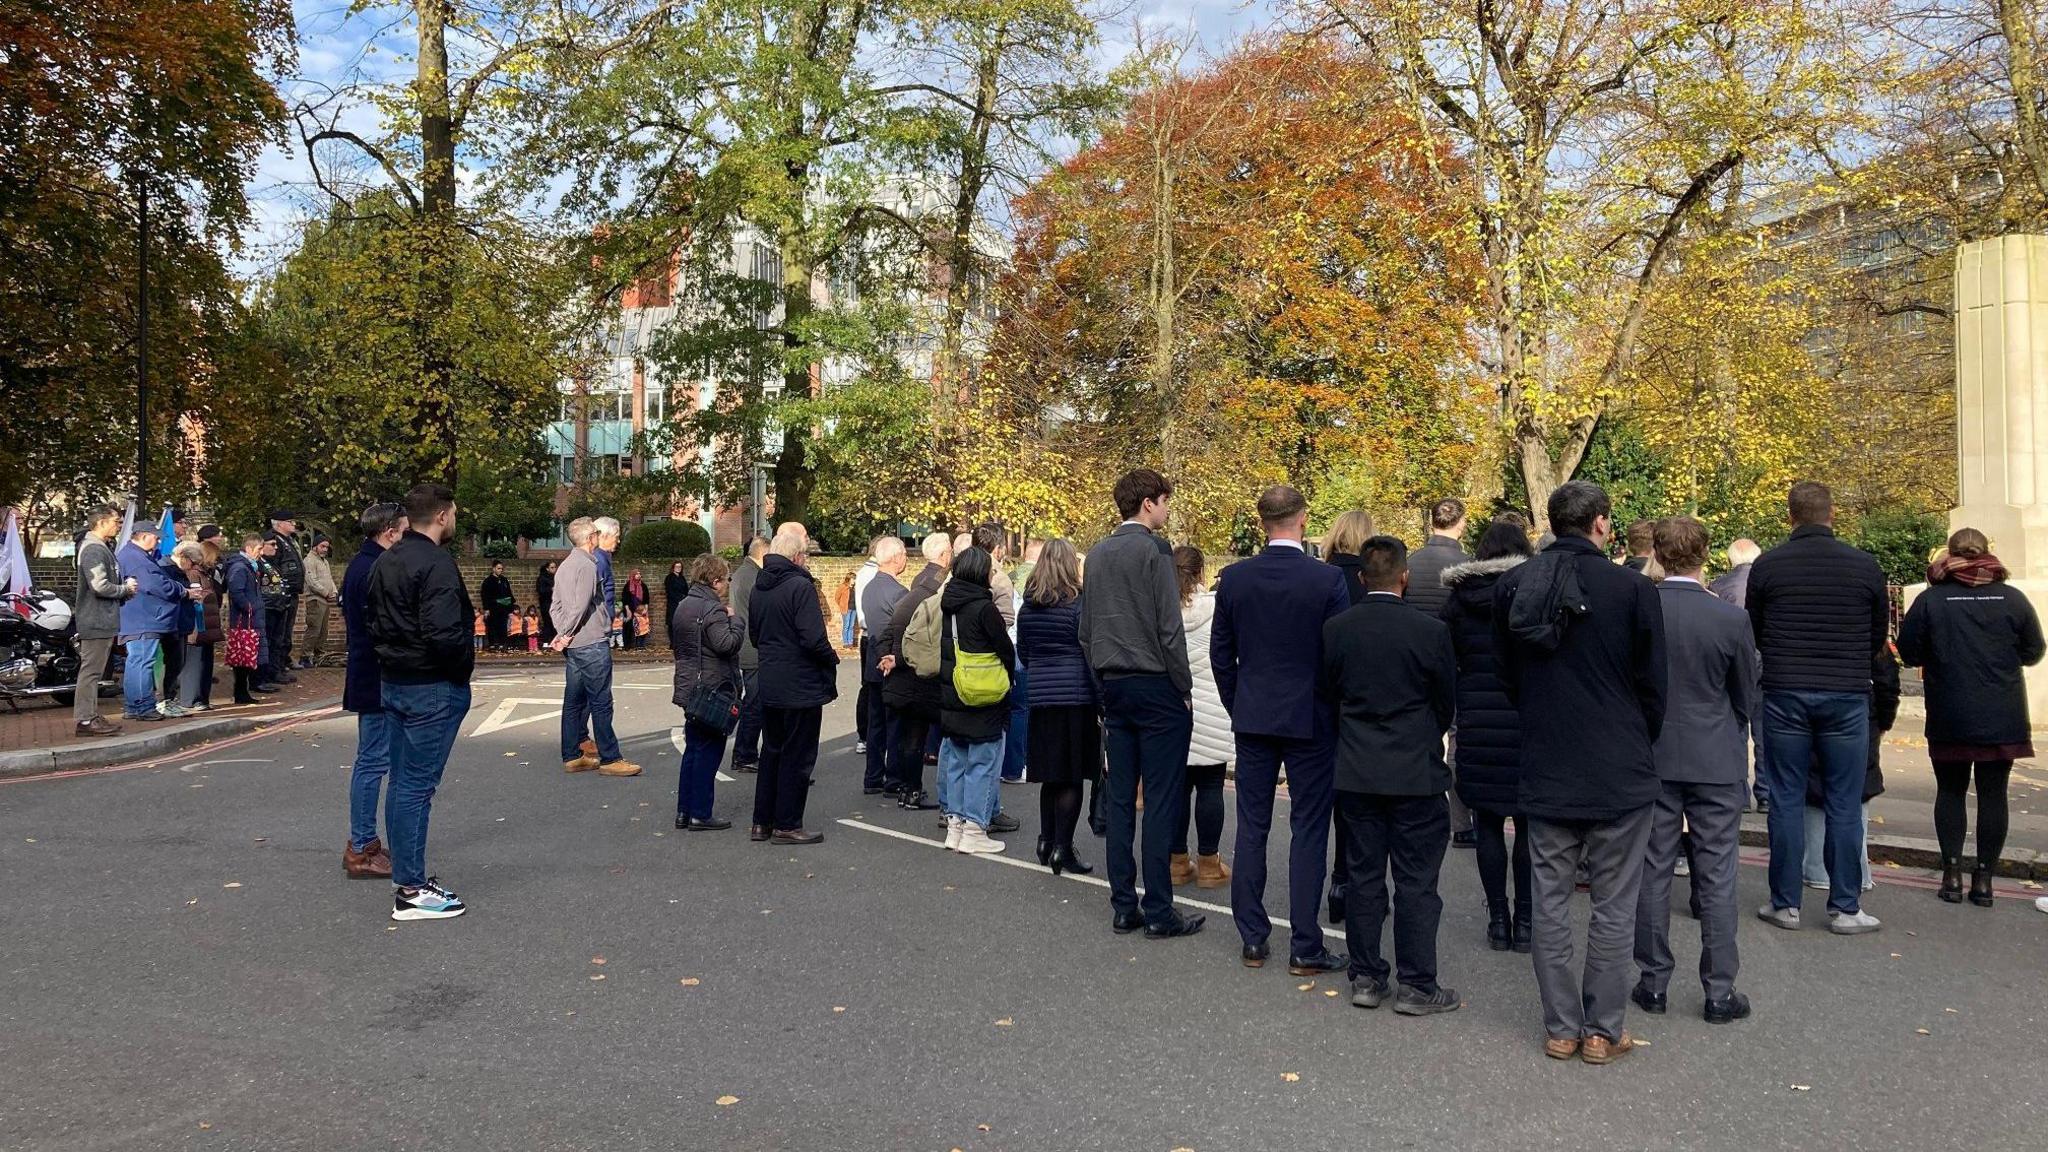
[1853, 923]
[975, 842]
[953, 824]
[170, 709]
[860, 747]
[1817, 885]
[1782, 917]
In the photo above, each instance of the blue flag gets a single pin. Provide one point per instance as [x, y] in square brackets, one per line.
[166, 537]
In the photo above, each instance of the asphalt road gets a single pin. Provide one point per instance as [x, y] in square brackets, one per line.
[186, 967]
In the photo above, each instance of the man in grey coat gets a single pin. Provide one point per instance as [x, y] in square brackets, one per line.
[1712, 675]
[582, 633]
[96, 615]
[746, 738]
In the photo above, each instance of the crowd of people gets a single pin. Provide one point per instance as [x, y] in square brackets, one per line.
[1408, 703]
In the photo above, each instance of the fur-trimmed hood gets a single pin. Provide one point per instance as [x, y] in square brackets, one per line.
[1474, 569]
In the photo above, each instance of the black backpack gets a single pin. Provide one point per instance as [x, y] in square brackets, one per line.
[1546, 598]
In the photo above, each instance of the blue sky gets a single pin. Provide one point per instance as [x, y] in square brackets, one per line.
[337, 48]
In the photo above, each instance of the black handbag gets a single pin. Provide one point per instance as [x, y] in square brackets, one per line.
[714, 704]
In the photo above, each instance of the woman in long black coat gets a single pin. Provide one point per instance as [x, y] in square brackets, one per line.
[498, 604]
[544, 596]
[1972, 633]
[674, 587]
[1489, 732]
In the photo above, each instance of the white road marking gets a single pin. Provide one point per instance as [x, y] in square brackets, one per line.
[675, 737]
[501, 716]
[1033, 866]
[210, 763]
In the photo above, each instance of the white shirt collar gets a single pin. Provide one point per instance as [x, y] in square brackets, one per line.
[1294, 544]
[1384, 592]
[1683, 580]
[1138, 523]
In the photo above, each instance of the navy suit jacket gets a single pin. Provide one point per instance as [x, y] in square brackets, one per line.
[1266, 643]
[1710, 687]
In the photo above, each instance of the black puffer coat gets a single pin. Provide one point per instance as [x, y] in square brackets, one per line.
[1974, 644]
[1489, 742]
[972, 619]
[706, 640]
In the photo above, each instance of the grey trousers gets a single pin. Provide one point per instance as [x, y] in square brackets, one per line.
[92, 662]
[1715, 814]
[1596, 1004]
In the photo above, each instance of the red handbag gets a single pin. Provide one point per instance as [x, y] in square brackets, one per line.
[241, 647]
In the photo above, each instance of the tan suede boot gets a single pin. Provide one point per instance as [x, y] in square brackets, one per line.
[1183, 869]
[1211, 872]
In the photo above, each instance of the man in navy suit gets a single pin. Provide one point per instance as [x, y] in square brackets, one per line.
[1266, 648]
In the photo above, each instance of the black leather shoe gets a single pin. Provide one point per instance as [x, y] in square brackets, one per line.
[1178, 926]
[1255, 955]
[1465, 839]
[713, 825]
[1002, 822]
[1951, 882]
[918, 802]
[745, 769]
[796, 836]
[1063, 860]
[1980, 888]
[758, 833]
[1127, 923]
[1316, 965]
[1525, 933]
[1044, 851]
[1655, 1003]
[1735, 1007]
[1500, 932]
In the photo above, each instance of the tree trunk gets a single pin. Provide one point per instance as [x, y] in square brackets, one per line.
[434, 420]
[794, 475]
[961, 257]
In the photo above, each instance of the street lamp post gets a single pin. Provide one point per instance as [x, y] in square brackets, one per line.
[141, 346]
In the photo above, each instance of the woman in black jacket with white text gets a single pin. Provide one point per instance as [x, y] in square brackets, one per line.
[1972, 633]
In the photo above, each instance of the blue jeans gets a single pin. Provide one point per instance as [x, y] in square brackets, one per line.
[703, 748]
[1146, 725]
[1828, 733]
[846, 624]
[587, 695]
[968, 778]
[423, 720]
[138, 675]
[366, 778]
[1020, 726]
[1816, 867]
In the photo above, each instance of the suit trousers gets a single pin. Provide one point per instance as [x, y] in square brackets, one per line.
[746, 735]
[1311, 773]
[1407, 835]
[1714, 812]
[789, 751]
[880, 735]
[913, 728]
[1596, 1003]
[1146, 726]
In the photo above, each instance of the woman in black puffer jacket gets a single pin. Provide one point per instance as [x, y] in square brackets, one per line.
[971, 757]
[1489, 772]
[1064, 750]
[706, 642]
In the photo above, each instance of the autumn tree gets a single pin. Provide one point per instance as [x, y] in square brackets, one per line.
[1594, 133]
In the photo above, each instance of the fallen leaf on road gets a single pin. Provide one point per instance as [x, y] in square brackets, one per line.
[1922, 1032]
[1891, 863]
[727, 1101]
[501, 819]
[204, 1126]
[838, 1008]
[31, 839]
[807, 875]
[950, 888]
[1304, 987]
[1290, 1077]
[192, 901]
[981, 1128]
[597, 960]
[232, 884]
[510, 755]
[1183, 1150]
[1005, 1022]
[392, 928]
[259, 839]
[1896, 956]
[1642, 1043]
[691, 981]
[1802, 1087]
[1951, 1011]
[1877, 820]
[1329, 991]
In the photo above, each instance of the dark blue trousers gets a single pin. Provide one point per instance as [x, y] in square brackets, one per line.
[881, 737]
[746, 736]
[1311, 776]
[1146, 725]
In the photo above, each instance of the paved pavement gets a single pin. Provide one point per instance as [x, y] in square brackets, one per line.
[185, 967]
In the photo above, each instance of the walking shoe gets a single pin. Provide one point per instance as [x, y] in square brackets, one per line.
[796, 837]
[144, 717]
[745, 769]
[1655, 1003]
[712, 825]
[953, 829]
[170, 710]
[196, 707]
[1125, 923]
[372, 863]
[974, 840]
[1211, 872]
[1413, 1001]
[860, 747]
[1181, 870]
[619, 768]
[918, 802]
[1561, 1047]
[1367, 992]
[758, 833]
[1002, 822]
[579, 764]
[1178, 926]
[1782, 917]
[428, 902]
[98, 726]
[1853, 923]
[265, 689]
[2041, 903]
[1817, 885]
[1255, 955]
[1328, 961]
[1601, 1050]
[1735, 1007]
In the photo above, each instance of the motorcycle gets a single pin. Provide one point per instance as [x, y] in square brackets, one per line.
[39, 650]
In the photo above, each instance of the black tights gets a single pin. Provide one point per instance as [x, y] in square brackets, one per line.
[1490, 830]
[242, 693]
[1952, 778]
[1059, 809]
[1207, 813]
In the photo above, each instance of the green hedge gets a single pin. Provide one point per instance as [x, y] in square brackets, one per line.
[665, 539]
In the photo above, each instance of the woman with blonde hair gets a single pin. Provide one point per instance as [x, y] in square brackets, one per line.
[1348, 533]
[1211, 747]
[1064, 748]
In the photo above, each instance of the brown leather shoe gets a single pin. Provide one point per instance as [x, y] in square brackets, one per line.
[99, 726]
[619, 768]
[372, 863]
[797, 836]
[1600, 1050]
[1561, 1048]
[579, 764]
[1183, 870]
[758, 833]
[588, 747]
[1211, 872]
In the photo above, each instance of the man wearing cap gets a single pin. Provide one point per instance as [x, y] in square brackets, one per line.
[321, 595]
[282, 612]
[147, 618]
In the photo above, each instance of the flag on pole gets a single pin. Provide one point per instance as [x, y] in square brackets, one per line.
[13, 558]
[127, 525]
[166, 536]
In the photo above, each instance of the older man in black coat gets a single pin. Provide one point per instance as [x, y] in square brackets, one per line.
[1394, 677]
[1581, 642]
[798, 678]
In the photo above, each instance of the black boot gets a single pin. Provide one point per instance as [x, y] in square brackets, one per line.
[1063, 860]
[1980, 887]
[1044, 850]
[1500, 934]
[1524, 931]
[1951, 881]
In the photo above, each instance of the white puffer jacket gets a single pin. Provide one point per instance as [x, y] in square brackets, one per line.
[1212, 742]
